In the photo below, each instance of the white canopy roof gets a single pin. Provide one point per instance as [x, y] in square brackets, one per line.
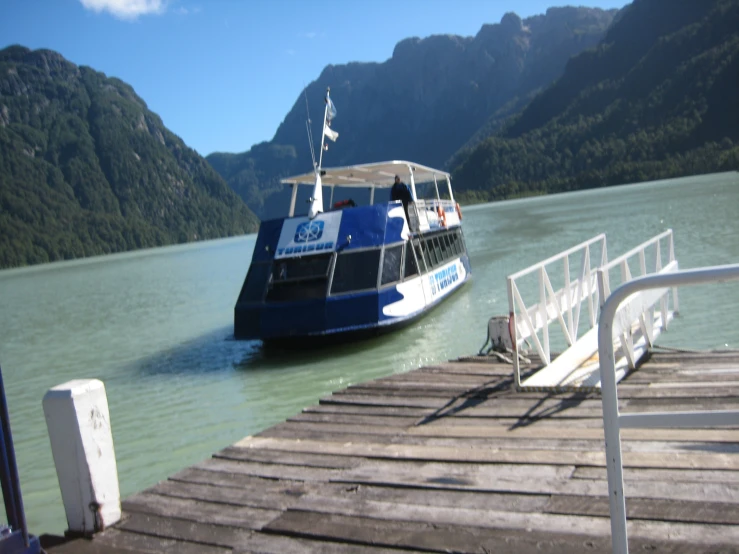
[378, 175]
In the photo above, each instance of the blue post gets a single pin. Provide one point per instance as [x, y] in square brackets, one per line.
[15, 540]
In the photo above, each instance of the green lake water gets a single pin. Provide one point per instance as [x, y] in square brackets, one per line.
[156, 327]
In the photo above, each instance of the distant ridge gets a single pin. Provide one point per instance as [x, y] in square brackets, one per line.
[432, 97]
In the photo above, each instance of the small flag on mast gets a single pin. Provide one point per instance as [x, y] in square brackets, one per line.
[330, 133]
[331, 113]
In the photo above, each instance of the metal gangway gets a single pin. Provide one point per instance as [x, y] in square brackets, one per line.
[556, 302]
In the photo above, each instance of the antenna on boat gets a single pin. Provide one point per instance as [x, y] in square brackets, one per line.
[316, 201]
[309, 129]
[328, 114]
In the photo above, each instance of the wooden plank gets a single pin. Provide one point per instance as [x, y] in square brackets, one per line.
[112, 539]
[674, 460]
[666, 404]
[501, 416]
[236, 480]
[436, 381]
[271, 471]
[423, 392]
[508, 442]
[438, 497]
[459, 539]
[559, 431]
[547, 523]
[86, 546]
[372, 400]
[640, 405]
[296, 433]
[512, 406]
[446, 476]
[388, 411]
[205, 512]
[682, 376]
[522, 442]
[422, 536]
[459, 473]
[563, 422]
[353, 419]
[570, 418]
[508, 407]
[433, 402]
[639, 391]
[297, 458]
[471, 368]
[649, 508]
[279, 496]
[263, 543]
[422, 376]
[682, 356]
[241, 540]
[301, 426]
[679, 475]
[202, 534]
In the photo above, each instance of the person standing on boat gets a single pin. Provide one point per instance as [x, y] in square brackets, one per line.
[400, 191]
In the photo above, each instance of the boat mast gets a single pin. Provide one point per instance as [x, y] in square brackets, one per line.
[316, 201]
[323, 131]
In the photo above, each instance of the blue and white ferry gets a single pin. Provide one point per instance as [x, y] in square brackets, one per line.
[354, 270]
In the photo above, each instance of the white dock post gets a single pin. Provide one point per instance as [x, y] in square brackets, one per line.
[78, 421]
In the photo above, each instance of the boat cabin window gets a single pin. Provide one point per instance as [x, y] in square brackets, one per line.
[256, 280]
[440, 249]
[299, 278]
[422, 261]
[356, 271]
[411, 268]
[457, 243]
[301, 267]
[391, 263]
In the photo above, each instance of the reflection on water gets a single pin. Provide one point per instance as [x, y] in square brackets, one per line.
[156, 327]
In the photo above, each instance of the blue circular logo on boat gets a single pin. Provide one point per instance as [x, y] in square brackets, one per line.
[309, 231]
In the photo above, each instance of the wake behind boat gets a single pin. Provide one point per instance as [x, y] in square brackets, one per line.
[354, 270]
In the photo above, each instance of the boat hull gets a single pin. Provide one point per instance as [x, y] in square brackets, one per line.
[347, 274]
[351, 316]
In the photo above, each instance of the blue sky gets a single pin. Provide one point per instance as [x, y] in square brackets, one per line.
[223, 74]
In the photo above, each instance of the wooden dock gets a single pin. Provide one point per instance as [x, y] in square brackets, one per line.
[450, 458]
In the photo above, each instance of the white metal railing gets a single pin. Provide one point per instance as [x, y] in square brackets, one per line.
[614, 318]
[427, 213]
[577, 366]
[648, 323]
[563, 305]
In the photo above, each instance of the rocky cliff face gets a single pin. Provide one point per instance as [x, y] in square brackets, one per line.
[429, 98]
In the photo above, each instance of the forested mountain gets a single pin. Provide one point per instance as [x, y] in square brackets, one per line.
[575, 98]
[657, 98]
[86, 168]
[432, 97]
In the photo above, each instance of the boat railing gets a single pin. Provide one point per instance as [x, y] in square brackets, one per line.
[431, 214]
[563, 305]
[616, 316]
